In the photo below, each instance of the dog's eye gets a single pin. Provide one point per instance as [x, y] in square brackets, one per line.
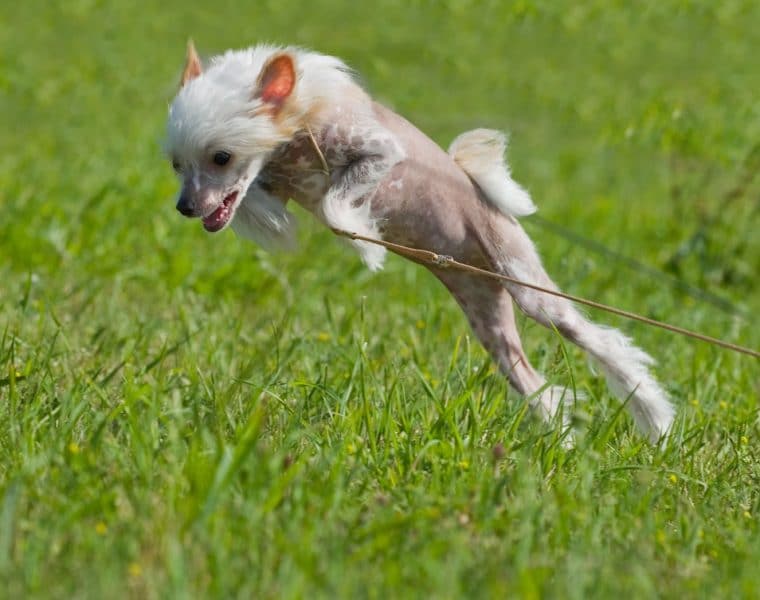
[176, 166]
[221, 158]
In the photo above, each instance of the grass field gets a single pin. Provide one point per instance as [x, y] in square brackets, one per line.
[183, 415]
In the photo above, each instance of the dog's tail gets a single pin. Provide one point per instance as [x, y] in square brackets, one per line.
[480, 153]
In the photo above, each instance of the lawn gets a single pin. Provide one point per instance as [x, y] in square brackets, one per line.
[184, 415]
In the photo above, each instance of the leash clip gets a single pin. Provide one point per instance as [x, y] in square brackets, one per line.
[442, 260]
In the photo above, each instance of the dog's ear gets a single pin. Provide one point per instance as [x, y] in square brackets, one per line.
[276, 80]
[193, 66]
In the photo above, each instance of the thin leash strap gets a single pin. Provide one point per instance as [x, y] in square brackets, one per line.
[318, 150]
[447, 262]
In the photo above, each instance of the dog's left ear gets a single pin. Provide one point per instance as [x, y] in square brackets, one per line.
[193, 67]
[276, 80]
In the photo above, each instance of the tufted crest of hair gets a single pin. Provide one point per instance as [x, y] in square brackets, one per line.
[224, 106]
[480, 153]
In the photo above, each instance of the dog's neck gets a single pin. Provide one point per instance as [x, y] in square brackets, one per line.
[295, 170]
[303, 168]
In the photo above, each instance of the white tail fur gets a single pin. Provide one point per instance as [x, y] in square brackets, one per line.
[480, 153]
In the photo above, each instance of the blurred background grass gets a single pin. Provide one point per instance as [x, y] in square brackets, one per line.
[127, 330]
[632, 122]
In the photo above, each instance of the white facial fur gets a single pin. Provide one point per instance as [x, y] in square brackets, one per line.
[206, 118]
[221, 110]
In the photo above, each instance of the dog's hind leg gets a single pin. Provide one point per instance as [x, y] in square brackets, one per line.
[625, 366]
[491, 315]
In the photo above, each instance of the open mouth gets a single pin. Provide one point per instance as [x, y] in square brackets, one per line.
[218, 219]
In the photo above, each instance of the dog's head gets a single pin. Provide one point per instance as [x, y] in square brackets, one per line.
[223, 125]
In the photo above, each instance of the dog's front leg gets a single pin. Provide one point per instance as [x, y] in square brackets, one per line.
[347, 203]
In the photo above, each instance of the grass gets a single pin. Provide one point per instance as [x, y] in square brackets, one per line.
[187, 416]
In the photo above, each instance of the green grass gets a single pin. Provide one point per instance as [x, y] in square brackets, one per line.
[182, 415]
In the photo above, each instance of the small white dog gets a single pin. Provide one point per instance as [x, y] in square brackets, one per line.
[265, 125]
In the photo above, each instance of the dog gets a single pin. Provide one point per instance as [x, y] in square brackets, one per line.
[265, 125]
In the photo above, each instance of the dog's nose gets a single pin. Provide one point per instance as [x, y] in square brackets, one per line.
[184, 207]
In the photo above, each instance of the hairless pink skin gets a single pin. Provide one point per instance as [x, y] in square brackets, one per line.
[425, 200]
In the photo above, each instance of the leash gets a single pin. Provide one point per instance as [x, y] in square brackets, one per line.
[447, 262]
[718, 301]
[444, 261]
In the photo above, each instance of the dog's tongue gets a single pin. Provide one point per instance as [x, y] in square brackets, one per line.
[218, 219]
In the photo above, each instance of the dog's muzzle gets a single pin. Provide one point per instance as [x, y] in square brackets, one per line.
[184, 206]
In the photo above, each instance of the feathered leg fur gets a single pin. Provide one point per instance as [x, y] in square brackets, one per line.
[511, 252]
